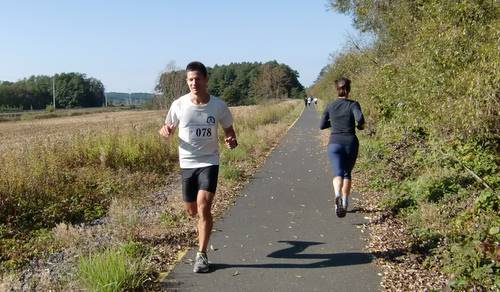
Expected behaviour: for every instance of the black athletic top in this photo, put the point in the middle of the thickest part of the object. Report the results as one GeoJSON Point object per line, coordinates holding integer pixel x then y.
{"type": "Point", "coordinates": [343, 115]}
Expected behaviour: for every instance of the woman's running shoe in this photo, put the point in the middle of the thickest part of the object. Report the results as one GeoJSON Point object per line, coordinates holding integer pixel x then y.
{"type": "Point", "coordinates": [339, 209]}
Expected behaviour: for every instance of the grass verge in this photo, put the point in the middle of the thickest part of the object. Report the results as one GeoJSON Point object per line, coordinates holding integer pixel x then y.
{"type": "Point", "coordinates": [51, 189]}
{"type": "Point", "coordinates": [115, 269]}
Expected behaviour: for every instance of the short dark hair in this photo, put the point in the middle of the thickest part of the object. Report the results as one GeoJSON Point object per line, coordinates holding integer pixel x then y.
{"type": "Point", "coordinates": [197, 66]}
{"type": "Point", "coordinates": [343, 86]}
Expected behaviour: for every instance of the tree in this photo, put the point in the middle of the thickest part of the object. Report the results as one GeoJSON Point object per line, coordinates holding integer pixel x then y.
{"type": "Point", "coordinates": [171, 85]}
{"type": "Point", "coordinates": [75, 90]}
{"type": "Point", "coordinates": [231, 95]}
{"type": "Point", "coordinates": [277, 81]}
{"type": "Point", "coordinates": [236, 83]}
{"type": "Point", "coordinates": [96, 90]}
{"type": "Point", "coordinates": [35, 92]}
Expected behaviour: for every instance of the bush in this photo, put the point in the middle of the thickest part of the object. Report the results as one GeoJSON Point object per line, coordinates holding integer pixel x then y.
{"type": "Point", "coordinates": [170, 219]}
{"type": "Point", "coordinates": [49, 108]}
{"type": "Point", "coordinates": [230, 173]}
{"type": "Point", "coordinates": [428, 85]}
{"type": "Point", "coordinates": [112, 270]}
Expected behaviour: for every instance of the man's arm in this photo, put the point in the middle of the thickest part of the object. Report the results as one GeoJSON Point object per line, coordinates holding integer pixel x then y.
{"type": "Point", "coordinates": [171, 121]}
{"type": "Point", "coordinates": [167, 130]}
{"type": "Point", "coordinates": [230, 137]}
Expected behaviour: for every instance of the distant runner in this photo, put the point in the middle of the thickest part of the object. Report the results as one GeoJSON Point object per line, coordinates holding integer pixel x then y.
{"type": "Point", "coordinates": [197, 114]}
{"type": "Point", "coordinates": [342, 115]}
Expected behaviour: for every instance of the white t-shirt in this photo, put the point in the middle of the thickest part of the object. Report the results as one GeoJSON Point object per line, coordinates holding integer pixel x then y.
{"type": "Point", "coordinates": [197, 126]}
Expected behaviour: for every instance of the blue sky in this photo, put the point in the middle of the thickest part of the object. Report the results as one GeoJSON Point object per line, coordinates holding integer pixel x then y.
{"type": "Point", "coordinates": [127, 44]}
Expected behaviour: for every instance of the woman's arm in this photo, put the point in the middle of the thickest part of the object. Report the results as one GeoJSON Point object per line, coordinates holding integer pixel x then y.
{"type": "Point", "coordinates": [325, 120]}
{"type": "Point", "coordinates": [358, 116]}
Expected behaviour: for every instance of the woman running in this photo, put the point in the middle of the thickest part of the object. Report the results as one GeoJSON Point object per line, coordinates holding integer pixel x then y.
{"type": "Point", "coordinates": [342, 115]}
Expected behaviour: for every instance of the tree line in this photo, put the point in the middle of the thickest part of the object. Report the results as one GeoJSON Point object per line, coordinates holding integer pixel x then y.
{"type": "Point", "coordinates": [237, 83]}
{"type": "Point", "coordinates": [71, 90]}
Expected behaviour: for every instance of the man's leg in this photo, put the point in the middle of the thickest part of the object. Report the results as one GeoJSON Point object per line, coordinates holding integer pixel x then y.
{"type": "Point", "coordinates": [205, 223]}
{"type": "Point", "coordinates": [189, 190]}
{"type": "Point", "coordinates": [207, 184]}
{"type": "Point", "coordinates": [205, 220]}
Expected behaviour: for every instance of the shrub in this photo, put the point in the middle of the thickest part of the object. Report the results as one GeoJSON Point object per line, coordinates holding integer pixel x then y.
{"type": "Point", "coordinates": [170, 219]}
{"type": "Point", "coordinates": [111, 270]}
{"type": "Point", "coordinates": [428, 84]}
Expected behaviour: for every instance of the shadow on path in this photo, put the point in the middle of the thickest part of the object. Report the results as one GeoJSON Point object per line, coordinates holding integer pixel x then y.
{"type": "Point", "coordinates": [363, 210]}
{"type": "Point", "coordinates": [294, 252]}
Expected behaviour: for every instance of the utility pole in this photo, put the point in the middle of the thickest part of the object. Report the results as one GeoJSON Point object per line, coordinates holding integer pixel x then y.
{"type": "Point", "coordinates": [54, 92]}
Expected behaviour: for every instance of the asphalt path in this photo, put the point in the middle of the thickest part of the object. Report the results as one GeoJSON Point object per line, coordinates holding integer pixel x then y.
{"type": "Point", "coordinates": [282, 234]}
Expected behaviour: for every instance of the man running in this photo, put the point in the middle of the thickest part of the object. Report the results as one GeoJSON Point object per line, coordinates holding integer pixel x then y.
{"type": "Point", "coordinates": [197, 114]}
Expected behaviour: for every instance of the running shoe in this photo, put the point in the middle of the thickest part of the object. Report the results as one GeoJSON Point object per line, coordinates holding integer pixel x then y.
{"type": "Point", "coordinates": [201, 263]}
{"type": "Point", "coordinates": [345, 203]}
{"type": "Point", "coordinates": [339, 209]}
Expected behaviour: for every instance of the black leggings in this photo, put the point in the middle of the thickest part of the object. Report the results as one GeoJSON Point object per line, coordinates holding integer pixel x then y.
{"type": "Point", "coordinates": [343, 157]}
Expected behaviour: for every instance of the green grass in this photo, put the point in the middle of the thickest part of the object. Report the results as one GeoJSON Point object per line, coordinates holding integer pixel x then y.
{"type": "Point", "coordinates": [111, 270]}
{"type": "Point", "coordinates": [170, 219]}
{"type": "Point", "coordinates": [230, 173]}
{"type": "Point", "coordinates": [440, 201]}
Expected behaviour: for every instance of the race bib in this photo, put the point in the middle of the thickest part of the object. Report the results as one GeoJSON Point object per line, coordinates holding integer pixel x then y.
{"type": "Point", "coordinates": [198, 133]}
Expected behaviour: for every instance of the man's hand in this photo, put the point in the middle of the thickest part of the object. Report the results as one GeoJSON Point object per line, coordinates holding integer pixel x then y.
{"type": "Point", "coordinates": [231, 142]}
{"type": "Point", "coordinates": [167, 130]}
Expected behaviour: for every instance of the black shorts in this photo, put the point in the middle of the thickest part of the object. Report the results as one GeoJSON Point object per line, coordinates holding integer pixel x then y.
{"type": "Point", "coordinates": [195, 179]}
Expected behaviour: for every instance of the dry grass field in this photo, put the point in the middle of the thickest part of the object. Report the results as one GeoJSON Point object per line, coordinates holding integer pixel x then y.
{"type": "Point", "coordinates": [14, 134]}
{"type": "Point", "coordinates": [19, 133]}
{"type": "Point", "coordinates": [57, 175]}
